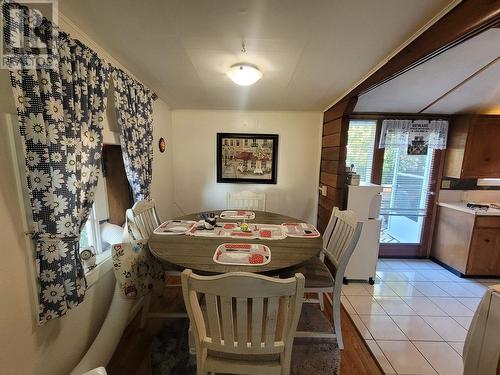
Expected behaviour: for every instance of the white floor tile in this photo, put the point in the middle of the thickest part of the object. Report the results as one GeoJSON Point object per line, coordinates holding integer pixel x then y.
{"type": "Point", "coordinates": [391, 276]}
{"type": "Point", "coordinates": [405, 358]}
{"type": "Point", "coordinates": [436, 275]}
{"type": "Point", "coordinates": [442, 357]}
{"type": "Point", "coordinates": [413, 275]}
{"type": "Point", "coordinates": [429, 289]}
{"type": "Point", "coordinates": [395, 306]}
{"type": "Point", "coordinates": [471, 303]}
{"type": "Point", "coordinates": [415, 328]}
{"type": "Point", "coordinates": [382, 327]}
{"type": "Point", "coordinates": [458, 346]}
{"type": "Point", "coordinates": [418, 264]}
{"type": "Point", "coordinates": [455, 289]}
{"type": "Point", "coordinates": [404, 289]}
{"type": "Point", "coordinates": [381, 289]}
{"type": "Point", "coordinates": [464, 321]}
{"type": "Point", "coordinates": [366, 305]}
{"type": "Point", "coordinates": [452, 306]}
{"type": "Point", "coordinates": [446, 327]}
{"type": "Point", "coordinates": [363, 331]}
{"type": "Point", "coordinates": [380, 357]}
{"type": "Point", "coordinates": [476, 290]}
{"type": "Point", "coordinates": [355, 289]}
{"type": "Point", "coordinates": [424, 306]}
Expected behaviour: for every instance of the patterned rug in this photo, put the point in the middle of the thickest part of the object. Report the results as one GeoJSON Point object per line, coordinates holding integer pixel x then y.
{"type": "Point", "coordinates": [170, 351]}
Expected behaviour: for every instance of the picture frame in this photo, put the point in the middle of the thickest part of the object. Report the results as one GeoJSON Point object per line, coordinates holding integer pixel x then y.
{"type": "Point", "coordinates": [247, 158]}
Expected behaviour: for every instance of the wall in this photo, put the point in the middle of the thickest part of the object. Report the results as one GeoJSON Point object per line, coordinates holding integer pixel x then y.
{"type": "Point", "coordinates": [333, 155]}
{"type": "Point", "coordinates": [194, 159]}
{"type": "Point", "coordinates": [55, 348]}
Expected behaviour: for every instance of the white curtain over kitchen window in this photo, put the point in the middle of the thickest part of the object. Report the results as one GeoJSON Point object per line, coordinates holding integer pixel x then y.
{"type": "Point", "coordinates": [403, 133]}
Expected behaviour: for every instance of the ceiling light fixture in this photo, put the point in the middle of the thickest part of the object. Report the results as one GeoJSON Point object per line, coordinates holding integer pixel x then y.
{"type": "Point", "coordinates": [244, 74]}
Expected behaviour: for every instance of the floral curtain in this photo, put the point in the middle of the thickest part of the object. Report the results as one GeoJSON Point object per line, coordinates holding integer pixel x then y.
{"type": "Point", "coordinates": [134, 111]}
{"type": "Point", "coordinates": [60, 119]}
{"type": "Point", "coordinates": [399, 133]}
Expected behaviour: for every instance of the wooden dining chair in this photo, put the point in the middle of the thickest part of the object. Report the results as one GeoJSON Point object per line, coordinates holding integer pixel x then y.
{"type": "Point", "coordinates": [345, 232]}
{"type": "Point", "coordinates": [246, 200]}
{"type": "Point", "coordinates": [246, 323]}
{"type": "Point", "coordinates": [143, 222]}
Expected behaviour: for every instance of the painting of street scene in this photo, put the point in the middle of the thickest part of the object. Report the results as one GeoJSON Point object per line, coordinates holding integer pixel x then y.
{"type": "Point", "coordinates": [246, 158]}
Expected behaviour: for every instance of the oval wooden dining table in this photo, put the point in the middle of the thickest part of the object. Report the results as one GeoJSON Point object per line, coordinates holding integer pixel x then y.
{"type": "Point", "coordinates": [196, 253]}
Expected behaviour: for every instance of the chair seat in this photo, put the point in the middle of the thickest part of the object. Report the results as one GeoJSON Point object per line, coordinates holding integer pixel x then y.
{"type": "Point", "coordinates": [316, 273]}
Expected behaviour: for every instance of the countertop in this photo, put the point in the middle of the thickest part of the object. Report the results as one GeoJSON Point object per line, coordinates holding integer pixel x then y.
{"type": "Point", "coordinates": [462, 206]}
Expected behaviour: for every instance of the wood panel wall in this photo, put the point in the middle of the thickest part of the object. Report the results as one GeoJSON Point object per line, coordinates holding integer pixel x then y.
{"type": "Point", "coordinates": [333, 154]}
{"type": "Point", "coordinates": [118, 190]}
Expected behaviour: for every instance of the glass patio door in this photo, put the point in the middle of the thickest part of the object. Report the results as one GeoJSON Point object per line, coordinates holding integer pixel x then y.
{"type": "Point", "coordinates": [407, 200]}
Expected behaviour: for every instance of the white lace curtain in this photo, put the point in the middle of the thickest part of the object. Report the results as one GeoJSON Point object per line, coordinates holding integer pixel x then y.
{"type": "Point", "coordinates": [398, 133]}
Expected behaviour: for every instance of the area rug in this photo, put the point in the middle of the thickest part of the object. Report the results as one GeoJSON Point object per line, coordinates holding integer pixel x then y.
{"type": "Point", "coordinates": [170, 351]}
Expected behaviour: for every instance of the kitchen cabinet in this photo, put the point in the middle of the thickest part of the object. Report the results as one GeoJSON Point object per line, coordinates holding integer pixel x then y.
{"type": "Point", "coordinates": [467, 242]}
{"type": "Point", "coordinates": [472, 150]}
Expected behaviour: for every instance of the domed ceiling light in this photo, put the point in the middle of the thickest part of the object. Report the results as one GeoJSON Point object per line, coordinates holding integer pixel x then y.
{"type": "Point", "coordinates": [244, 74]}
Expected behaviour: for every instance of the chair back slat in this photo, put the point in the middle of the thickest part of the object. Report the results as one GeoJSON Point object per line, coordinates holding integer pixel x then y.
{"type": "Point", "coordinates": [329, 228]}
{"type": "Point", "coordinates": [213, 317]}
{"type": "Point", "coordinates": [257, 316]}
{"type": "Point", "coordinates": [271, 320]}
{"type": "Point", "coordinates": [145, 218]}
{"type": "Point", "coordinates": [226, 306]}
{"type": "Point", "coordinates": [246, 200]}
{"type": "Point", "coordinates": [343, 241]}
{"type": "Point", "coordinates": [243, 322]}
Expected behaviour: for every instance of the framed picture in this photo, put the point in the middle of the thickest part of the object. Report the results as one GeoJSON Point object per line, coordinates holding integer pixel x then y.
{"type": "Point", "coordinates": [247, 158]}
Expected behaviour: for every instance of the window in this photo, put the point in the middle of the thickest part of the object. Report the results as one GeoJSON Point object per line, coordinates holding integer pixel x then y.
{"type": "Point", "coordinates": [360, 146]}
{"type": "Point", "coordinates": [90, 237]}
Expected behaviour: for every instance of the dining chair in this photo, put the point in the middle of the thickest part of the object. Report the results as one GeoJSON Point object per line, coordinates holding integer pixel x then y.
{"type": "Point", "coordinates": [246, 200]}
{"type": "Point", "coordinates": [340, 244]}
{"type": "Point", "coordinates": [245, 322]}
{"type": "Point", "coordinates": [481, 353]}
{"type": "Point", "coordinates": [143, 222]}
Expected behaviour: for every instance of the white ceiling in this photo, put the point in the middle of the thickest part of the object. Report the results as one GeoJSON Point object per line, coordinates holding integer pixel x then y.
{"type": "Point", "coordinates": [310, 52]}
{"type": "Point", "coordinates": [449, 80]}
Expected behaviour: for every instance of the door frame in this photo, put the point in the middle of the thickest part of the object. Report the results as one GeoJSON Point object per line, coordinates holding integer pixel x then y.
{"type": "Point", "coordinates": [407, 250]}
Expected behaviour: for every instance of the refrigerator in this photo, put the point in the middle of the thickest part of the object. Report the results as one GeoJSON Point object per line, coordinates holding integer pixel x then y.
{"type": "Point", "coordinates": [364, 200]}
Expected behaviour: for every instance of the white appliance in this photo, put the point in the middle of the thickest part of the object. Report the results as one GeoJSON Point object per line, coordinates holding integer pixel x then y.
{"type": "Point", "coordinates": [365, 201]}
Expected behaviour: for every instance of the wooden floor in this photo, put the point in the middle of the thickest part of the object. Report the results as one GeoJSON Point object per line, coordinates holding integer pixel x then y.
{"type": "Point", "coordinates": [132, 354]}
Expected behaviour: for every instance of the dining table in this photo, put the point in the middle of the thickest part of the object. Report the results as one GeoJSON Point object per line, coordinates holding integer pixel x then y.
{"type": "Point", "coordinates": [184, 251]}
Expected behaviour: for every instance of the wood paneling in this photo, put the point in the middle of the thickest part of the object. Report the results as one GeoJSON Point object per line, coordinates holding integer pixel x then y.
{"type": "Point", "coordinates": [329, 179]}
{"type": "Point", "coordinates": [117, 186]}
{"type": "Point", "coordinates": [332, 127]}
{"type": "Point", "coordinates": [329, 166]}
{"type": "Point", "coordinates": [330, 153]}
{"type": "Point", "coordinates": [331, 140]}
{"type": "Point", "coordinates": [326, 203]}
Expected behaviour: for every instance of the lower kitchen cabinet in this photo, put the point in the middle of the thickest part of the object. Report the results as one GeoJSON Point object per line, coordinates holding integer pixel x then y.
{"type": "Point", "coordinates": [467, 242]}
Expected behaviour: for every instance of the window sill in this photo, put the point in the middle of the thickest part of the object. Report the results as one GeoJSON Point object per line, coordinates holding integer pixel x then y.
{"type": "Point", "coordinates": [104, 265]}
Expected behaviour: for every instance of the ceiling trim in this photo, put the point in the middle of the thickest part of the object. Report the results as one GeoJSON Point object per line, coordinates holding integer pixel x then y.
{"type": "Point", "coordinates": [463, 21]}
{"type": "Point", "coordinates": [460, 84]}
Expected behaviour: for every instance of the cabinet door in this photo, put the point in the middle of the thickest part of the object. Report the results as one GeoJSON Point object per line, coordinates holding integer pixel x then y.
{"type": "Point", "coordinates": [482, 159]}
{"type": "Point", "coordinates": [484, 255]}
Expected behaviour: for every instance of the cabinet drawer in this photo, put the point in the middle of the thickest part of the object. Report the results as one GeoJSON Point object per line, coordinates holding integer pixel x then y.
{"type": "Point", "coordinates": [488, 222]}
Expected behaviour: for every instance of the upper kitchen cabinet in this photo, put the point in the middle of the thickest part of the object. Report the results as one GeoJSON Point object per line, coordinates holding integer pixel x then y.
{"type": "Point", "coordinates": [473, 147]}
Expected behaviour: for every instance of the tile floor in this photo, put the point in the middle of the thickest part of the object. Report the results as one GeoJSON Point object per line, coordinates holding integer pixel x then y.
{"type": "Point", "coordinates": [416, 316]}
